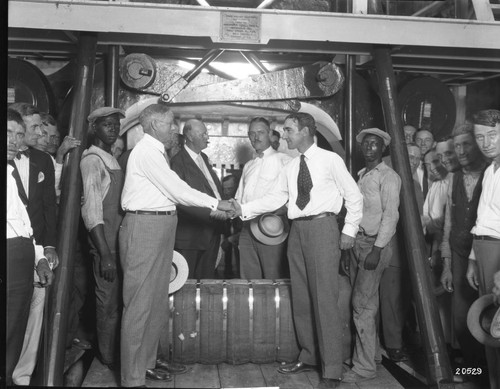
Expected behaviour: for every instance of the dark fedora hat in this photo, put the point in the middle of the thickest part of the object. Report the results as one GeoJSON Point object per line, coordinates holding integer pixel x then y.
{"type": "Point", "coordinates": [481, 320]}
{"type": "Point", "coordinates": [178, 273]}
{"type": "Point", "coordinates": [269, 229]}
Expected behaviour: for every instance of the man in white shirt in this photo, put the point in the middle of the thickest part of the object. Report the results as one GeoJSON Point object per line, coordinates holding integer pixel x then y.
{"type": "Point", "coordinates": [22, 254]}
{"type": "Point", "coordinates": [147, 235]}
{"type": "Point", "coordinates": [315, 184]}
{"type": "Point", "coordinates": [484, 259]}
{"type": "Point", "coordinates": [258, 260]}
{"type": "Point", "coordinates": [425, 141]}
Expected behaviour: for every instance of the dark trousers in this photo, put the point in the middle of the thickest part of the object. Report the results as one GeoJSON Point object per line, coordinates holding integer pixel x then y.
{"type": "Point", "coordinates": [462, 298]}
{"type": "Point", "coordinates": [314, 254]}
{"type": "Point", "coordinates": [108, 311]}
{"type": "Point", "coordinates": [202, 262]}
{"type": "Point", "coordinates": [258, 260]}
{"type": "Point", "coordinates": [20, 263]}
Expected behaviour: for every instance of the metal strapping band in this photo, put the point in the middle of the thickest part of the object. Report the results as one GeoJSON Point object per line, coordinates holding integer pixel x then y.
{"type": "Point", "coordinates": [198, 314]}
{"type": "Point", "coordinates": [224, 316]}
{"type": "Point", "coordinates": [171, 328]}
{"type": "Point", "coordinates": [277, 334]}
{"type": "Point", "coordinates": [250, 313]}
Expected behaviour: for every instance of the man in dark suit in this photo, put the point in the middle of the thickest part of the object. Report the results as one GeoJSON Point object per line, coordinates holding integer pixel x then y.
{"type": "Point", "coordinates": [199, 229]}
{"type": "Point", "coordinates": [35, 179]}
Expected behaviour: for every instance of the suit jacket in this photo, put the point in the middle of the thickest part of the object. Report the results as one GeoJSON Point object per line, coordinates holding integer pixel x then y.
{"type": "Point", "coordinates": [195, 228]}
{"type": "Point", "coordinates": [41, 199]}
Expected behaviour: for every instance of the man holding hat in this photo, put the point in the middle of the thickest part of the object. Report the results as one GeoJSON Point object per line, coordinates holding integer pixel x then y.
{"type": "Point", "coordinates": [102, 187]}
{"type": "Point", "coordinates": [262, 255]}
{"type": "Point", "coordinates": [380, 186]}
{"type": "Point", "coordinates": [315, 184]}
{"type": "Point", "coordinates": [484, 259]}
{"type": "Point", "coordinates": [460, 215]}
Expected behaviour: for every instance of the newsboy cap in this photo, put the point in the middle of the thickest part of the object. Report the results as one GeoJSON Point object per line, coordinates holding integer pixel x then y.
{"type": "Point", "coordinates": [103, 112]}
{"type": "Point", "coordinates": [375, 131]}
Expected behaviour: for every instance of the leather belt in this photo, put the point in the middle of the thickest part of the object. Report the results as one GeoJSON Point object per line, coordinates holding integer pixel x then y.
{"type": "Point", "coordinates": [171, 213]}
{"type": "Point", "coordinates": [314, 217]}
{"type": "Point", "coordinates": [485, 237]}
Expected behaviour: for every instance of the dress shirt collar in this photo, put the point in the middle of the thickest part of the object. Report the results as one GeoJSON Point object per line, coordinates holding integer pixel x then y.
{"type": "Point", "coordinates": [266, 153]}
{"type": "Point", "coordinates": [309, 153]}
{"type": "Point", "coordinates": [10, 169]}
{"type": "Point", "coordinates": [154, 142]}
{"type": "Point", "coordinates": [381, 166]}
{"type": "Point", "coordinates": [191, 153]}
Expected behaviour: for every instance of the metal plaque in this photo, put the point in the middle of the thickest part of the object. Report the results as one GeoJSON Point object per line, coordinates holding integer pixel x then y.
{"type": "Point", "coordinates": [240, 27]}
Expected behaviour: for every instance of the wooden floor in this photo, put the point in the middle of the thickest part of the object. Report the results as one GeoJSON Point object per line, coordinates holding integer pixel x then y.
{"type": "Point", "coordinates": [236, 376]}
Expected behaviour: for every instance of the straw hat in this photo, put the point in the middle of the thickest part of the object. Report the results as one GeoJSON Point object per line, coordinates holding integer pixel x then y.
{"type": "Point", "coordinates": [178, 274]}
{"type": "Point", "coordinates": [481, 320]}
{"type": "Point", "coordinates": [269, 229]}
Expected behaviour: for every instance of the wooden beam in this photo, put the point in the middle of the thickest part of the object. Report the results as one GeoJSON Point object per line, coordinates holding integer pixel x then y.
{"type": "Point", "coordinates": [163, 19]}
{"type": "Point", "coordinates": [483, 10]}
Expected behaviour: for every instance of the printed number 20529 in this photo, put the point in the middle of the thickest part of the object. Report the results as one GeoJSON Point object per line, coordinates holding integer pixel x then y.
{"type": "Point", "coordinates": [468, 371]}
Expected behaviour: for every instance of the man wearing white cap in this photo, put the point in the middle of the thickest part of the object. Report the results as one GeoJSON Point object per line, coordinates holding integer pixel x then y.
{"type": "Point", "coordinates": [380, 186]}
{"type": "Point", "coordinates": [102, 187]}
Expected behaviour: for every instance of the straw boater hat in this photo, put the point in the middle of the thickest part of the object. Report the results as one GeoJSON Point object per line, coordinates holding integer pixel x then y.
{"type": "Point", "coordinates": [269, 229]}
{"type": "Point", "coordinates": [374, 131]}
{"type": "Point", "coordinates": [178, 274]}
{"type": "Point", "coordinates": [483, 321]}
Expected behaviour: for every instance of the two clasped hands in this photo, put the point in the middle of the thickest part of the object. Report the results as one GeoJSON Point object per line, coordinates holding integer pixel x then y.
{"type": "Point", "coordinates": [226, 209]}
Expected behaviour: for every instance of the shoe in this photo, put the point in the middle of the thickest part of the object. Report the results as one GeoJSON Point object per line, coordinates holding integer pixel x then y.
{"type": "Point", "coordinates": [352, 377]}
{"type": "Point", "coordinates": [81, 344]}
{"type": "Point", "coordinates": [157, 375]}
{"type": "Point", "coordinates": [295, 368]}
{"type": "Point", "coordinates": [327, 383]}
{"type": "Point", "coordinates": [397, 355]}
{"type": "Point", "coordinates": [171, 367]}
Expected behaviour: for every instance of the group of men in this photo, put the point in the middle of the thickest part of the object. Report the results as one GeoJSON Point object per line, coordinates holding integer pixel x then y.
{"type": "Point", "coordinates": [459, 207]}
{"type": "Point", "coordinates": [160, 200]}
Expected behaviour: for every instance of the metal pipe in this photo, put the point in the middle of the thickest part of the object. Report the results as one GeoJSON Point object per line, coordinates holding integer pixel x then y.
{"type": "Point", "coordinates": [265, 3]}
{"type": "Point", "coordinates": [69, 212]}
{"type": "Point", "coordinates": [438, 369]}
{"type": "Point", "coordinates": [112, 76]}
{"type": "Point", "coordinates": [349, 116]}
{"type": "Point", "coordinates": [254, 60]}
{"type": "Point", "coordinates": [208, 58]}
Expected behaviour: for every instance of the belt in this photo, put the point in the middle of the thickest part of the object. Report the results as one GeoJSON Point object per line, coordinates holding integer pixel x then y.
{"type": "Point", "coordinates": [171, 213]}
{"type": "Point", "coordinates": [314, 217]}
{"type": "Point", "coordinates": [485, 237]}
{"type": "Point", "coordinates": [363, 233]}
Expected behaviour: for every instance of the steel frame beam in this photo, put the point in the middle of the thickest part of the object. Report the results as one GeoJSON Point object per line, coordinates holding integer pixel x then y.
{"type": "Point", "coordinates": [163, 19]}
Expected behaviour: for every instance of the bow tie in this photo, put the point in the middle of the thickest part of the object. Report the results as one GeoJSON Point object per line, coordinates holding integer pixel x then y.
{"type": "Point", "coordinates": [23, 152]}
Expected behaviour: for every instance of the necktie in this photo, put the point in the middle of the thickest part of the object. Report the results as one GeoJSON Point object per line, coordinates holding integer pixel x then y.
{"type": "Point", "coordinates": [208, 176]}
{"type": "Point", "coordinates": [23, 152]}
{"type": "Point", "coordinates": [425, 183]}
{"type": "Point", "coordinates": [304, 184]}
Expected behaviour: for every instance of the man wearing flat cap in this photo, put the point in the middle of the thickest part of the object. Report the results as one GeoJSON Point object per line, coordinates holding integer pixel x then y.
{"type": "Point", "coordinates": [380, 186]}
{"type": "Point", "coordinates": [102, 187]}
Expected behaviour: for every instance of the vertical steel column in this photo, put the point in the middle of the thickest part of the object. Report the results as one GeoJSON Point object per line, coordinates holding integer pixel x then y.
{"type": "Point", "coordinates": [349, 113]}
{"type": "Point", "coordinates": [69, 213]}
{"type": "Point", "coordinates": [112, 76]}
{"type": "Point", "coordinates": [438, 365]}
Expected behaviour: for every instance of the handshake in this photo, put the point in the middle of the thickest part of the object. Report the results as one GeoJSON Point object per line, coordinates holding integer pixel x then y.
{"type": "Point", "coordinates": [226, 209]}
